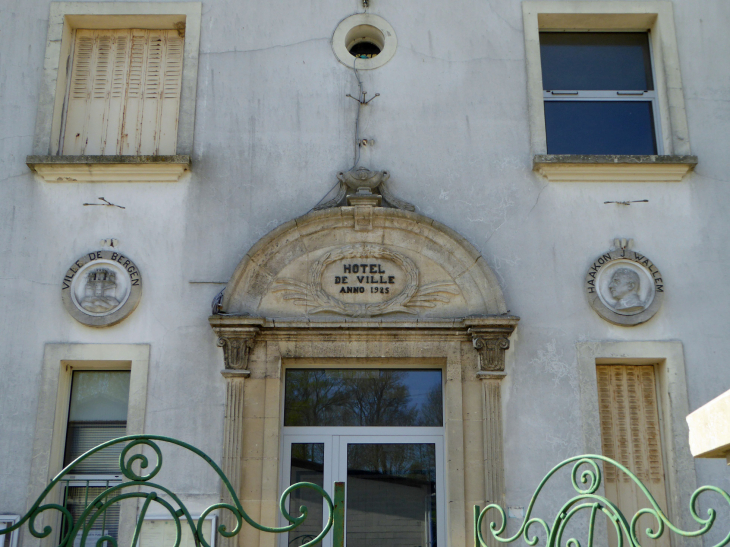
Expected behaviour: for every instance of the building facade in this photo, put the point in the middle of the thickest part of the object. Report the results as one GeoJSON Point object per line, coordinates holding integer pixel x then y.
{"type": "Point", "coordinates": [429, 250]}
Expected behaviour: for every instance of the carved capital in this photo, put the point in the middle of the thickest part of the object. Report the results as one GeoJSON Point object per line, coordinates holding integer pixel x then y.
{"type": "Point", "coordinates": [237, 338]}
{"type": "Point", "coordinates": [490, 337]}
{"type": "Point", "coordinates": [236, 351]}
{"type": "Point", "coordinates": [491, 352]}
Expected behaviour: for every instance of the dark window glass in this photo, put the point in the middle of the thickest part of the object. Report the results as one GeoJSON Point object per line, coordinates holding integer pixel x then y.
{"type": "Point", "coordinates": [391, 495]}
{"type": "Point", "coordinates": [307, 465]}
{"type": "Point", "coordinates": [600, 127]}
{"type": "Point", "coordinates": [97, 413]}
{"type": "Point", "coordinates": [595, 61]}
{"type": "Point", "coordinates": [354, 397]}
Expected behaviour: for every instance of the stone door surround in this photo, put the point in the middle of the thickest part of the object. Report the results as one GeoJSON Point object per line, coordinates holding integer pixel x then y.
{"type": "Point", "coordinates": [398, 290]}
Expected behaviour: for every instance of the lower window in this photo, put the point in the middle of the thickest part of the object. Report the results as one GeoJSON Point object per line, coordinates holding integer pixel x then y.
{"type": "Point", "coordinates": [97, 413]}
{"type": "Point", "coordinates": [393, 474]}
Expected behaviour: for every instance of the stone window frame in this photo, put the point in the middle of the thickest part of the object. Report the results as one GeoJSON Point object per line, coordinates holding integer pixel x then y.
{"type": "Point", "coordinates": [54, 397]}
{"type": "Point", "coordinates": [667, 357]}
{"type": "Point", "coordinates": [64, 18]}
{"type": "Point", "coordinates": [656, 16]}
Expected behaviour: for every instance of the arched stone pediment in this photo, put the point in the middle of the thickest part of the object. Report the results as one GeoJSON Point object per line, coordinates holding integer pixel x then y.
{"type": "Point", "coordinates": [363, 261]}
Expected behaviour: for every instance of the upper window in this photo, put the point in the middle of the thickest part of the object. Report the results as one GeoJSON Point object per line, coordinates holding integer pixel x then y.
{"type": "Point", "coordinates": [124, 92]}
{"type": "Point", "coordinates": [605, 92]}
{"type": "Point", "coordinates": [120, 79]}
{"type": "Point", "coordinates": [117, 102]}
{"type": "Point", "coordinates": [598, 92]}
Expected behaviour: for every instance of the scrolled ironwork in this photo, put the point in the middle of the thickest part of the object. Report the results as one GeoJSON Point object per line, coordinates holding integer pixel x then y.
{"type": "Point", "coordinates": [171, 502]}
{"type": "Point", "coordinates": [586, 479]}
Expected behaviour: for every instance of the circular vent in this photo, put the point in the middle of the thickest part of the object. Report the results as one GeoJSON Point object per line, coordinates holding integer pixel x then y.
{"type": "Point", "coordinates": [364, 41]}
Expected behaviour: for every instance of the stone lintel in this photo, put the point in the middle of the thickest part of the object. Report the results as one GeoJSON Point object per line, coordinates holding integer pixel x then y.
{"type": "Point", "coordinates": [109, 168]}
{"type": "Point", "coordinates": [236, 338]}
{"type": "Point", "coordinates": [244, 327]}
{"type": "Point", "coordinates": [613, 168]}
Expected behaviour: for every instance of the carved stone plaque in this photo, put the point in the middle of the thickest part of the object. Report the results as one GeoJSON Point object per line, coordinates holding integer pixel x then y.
{"type": "Point", "coordinates": [101, 288]}
{"type": "Point", "coordinates": [363, 280]}
{"type": "Point", "coordinates": [624, 287]}
{"type": "Point", "coordinates": [366, 281]}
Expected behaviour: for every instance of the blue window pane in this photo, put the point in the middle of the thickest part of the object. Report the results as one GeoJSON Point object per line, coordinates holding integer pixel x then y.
{"type": "Point", "coordinates": [596, 61]}
{"type": "Point", "coordinates": [600, 127]}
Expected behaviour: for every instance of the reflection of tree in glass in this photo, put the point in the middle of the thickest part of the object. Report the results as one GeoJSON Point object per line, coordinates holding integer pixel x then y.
{"type": "Point", "coordinates": [432, 412]}
{"type": "Point", "coordinates": [407, 461]}
{"type": "Point", "coordinates": [381, 397]}
{"type": "Point", "coordinates": [308, 452]}
{"type": "Point", "coordinates": [381, 400]}
{"type": "Point", "coordinates": [312, 397]}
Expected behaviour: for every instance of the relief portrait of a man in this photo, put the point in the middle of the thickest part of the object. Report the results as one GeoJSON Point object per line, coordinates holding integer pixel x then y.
{"type": "Point", "coordinates": [624, 288]}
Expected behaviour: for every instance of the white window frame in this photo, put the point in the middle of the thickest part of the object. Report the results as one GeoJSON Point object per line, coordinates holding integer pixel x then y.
{"type": "Point", "coordinates": [571, 95]}
{"type": "Point", "coordinates": [654, 16]}
{"type": "Point", "coordinates": [6, 521]}
{"type": "Point", "coordinates": [336, 439]}
{"type": "Point", "coordinates": [65, 17]}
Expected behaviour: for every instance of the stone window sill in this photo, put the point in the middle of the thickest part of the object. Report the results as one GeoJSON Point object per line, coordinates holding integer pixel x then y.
{"type": "Point", "coordinates": [590, 168]}
{"type": "Point", "coordinates": [109, 168]}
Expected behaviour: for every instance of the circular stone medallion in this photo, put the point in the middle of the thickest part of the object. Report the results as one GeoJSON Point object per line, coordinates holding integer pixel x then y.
{"type": "Point", "coordinates": [101, 288]}
{"type": "Point", "coordinates": [624, 287]}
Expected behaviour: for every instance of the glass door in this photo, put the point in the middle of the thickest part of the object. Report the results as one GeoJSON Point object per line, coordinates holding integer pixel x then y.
{"type": "Point", "coordinates": [307, 458]}
{"type": "Point", "coordinates": [380, 431]}
{"type": "Point", "coordinates": [393, 490]}
{"type": "Point", "coordinates": [394, 487]}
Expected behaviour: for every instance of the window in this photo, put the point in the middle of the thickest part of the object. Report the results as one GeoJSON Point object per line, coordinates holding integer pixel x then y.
{"type": "Point", "coordinates": [631, 435]}
{"type": "Point", "coordinates": [627, 393]}
{"type": "Point", "coordinates": [598, 92]}
{"type": "Point", "coordinates": [118, 97]}
{"type": "Point", "coordinates": [124, 92]}
{"type": "Point", "coordinates": [381, 432]}
{"type": "Point", "coordinates": [61, 432]}
{"type": "Point", "coordinates": [605, 92]}
{"type": "Point", "coordinates": [6, 521]}
{"type": "Point", "coordinates": [97, 413]}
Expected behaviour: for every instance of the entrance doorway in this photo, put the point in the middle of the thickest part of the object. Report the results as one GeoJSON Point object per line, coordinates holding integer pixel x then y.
{"type": "Point", "coordinates": [381, 434]}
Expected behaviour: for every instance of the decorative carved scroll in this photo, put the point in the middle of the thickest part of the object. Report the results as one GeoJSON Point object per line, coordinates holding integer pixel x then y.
{"type": "Point", "coordinates": [491, 352]}
{"type": "Point", "coordinates": [237, 343]}
{"type": "Point", "coordinates": [491, 342]}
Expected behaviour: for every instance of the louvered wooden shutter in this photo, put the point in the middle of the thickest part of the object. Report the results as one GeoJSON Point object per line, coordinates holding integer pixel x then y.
{"type": "Point", "coordinates": [124, 96]}
{"type": "Point", "coordinates": [630, 434]}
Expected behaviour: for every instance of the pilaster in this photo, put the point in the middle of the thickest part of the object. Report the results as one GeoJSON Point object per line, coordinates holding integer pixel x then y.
{"type": "Point", "coordinates": [232, 459]}
{"type": "Point", "coordinates": [494, 487]}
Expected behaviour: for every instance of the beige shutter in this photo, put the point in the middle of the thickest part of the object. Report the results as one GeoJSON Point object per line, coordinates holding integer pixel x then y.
{"type": "Point", "coordinates": [630, 435]}
{"type": "Point", "coordinates": [124, 96]}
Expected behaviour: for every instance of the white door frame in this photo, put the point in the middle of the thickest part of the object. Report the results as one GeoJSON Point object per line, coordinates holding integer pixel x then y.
{"type": "Point", "coordinates": [336, 439]}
